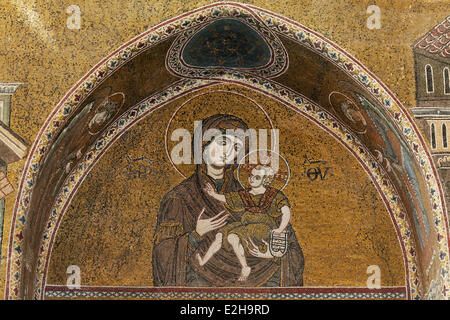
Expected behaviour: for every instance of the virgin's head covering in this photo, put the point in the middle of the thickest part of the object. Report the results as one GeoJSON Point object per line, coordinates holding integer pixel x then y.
{"type": "Point", "coordinates": [223, 123]}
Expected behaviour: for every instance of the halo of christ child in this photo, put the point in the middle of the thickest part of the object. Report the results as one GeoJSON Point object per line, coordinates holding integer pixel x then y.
{"type": "Point", "coordinates": [264, 211]}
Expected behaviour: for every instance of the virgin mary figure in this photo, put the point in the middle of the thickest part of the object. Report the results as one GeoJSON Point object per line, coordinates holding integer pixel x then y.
{"type": "Point", "coordinates": [188, 220]}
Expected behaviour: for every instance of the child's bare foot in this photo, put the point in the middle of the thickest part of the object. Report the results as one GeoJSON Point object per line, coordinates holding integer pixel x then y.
{"type": "Point", "coordinates": [200, 260]}
{"type": "Point", "coordinates": [244, 273]}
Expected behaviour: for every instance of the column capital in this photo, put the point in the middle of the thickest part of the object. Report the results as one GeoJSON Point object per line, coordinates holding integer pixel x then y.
{"type": "Point", "coordinates": [9, 88]}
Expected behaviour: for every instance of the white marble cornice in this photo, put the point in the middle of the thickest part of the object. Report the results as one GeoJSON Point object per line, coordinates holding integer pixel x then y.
{"type": "Point", "coordinates": [9, 88]}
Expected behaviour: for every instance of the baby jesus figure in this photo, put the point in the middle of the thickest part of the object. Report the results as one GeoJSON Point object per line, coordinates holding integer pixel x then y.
{"type": "Point", "coordinates": [264, 209]}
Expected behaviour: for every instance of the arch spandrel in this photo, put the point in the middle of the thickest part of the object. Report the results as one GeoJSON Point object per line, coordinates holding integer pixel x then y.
{"type": "Point", "coordinates": [400, 167]}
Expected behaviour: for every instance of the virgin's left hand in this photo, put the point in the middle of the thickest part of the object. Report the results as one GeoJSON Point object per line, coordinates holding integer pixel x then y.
{"type": "Point", "coordinates": [278, 231]}
{"type": "Point", "coordinates": [255, 250]}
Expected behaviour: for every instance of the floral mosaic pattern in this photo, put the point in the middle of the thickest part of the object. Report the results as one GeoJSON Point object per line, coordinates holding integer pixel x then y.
{"type": "Point", "coordinates": [152, 293]}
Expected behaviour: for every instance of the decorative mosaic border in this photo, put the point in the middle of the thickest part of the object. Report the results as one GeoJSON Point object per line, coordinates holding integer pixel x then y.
{"type": "Point", "coordinates": [279, 57]}
{"type": "Point", "coordinates": [302, 34]}
{"type": "Point", "coordinates": [156, 293]}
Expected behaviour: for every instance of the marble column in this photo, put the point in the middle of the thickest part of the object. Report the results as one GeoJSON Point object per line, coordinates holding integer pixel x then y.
{"type": "Point", "coordinates": [6, 92]}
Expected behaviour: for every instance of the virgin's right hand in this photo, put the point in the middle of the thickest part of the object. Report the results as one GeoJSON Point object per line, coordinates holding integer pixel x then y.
{"type": "Point", "coordinates": [209, 190]}
{"type": "Point", "coordinates": [210, 224]}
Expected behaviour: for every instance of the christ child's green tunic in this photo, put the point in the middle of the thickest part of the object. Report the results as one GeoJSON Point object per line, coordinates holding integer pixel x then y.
{"type": "Point", "coordinates": [260, 214]}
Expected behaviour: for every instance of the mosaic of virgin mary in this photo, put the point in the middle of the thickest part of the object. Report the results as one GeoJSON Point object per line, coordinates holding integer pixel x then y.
{"type": "Point", "coordinates": [189, 219]}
